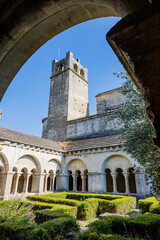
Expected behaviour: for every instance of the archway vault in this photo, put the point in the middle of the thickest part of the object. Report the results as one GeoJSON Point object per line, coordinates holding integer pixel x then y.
{"type": "Point", "coordinates": [25, 25]}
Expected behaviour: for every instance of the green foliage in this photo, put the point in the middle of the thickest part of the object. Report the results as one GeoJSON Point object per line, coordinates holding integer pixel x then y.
{"type": "Point", "coordinates": [155, 208]}
{"type": "Point", "coordinates": [15, 230]}
{"type": "Point", "coordinates": [83, 196]}
{"type": "Point", "coordinates": [56, 229]}
{"type": "Point", "coordinates": [95, 236]}
{"type": "Point", "coordinates": [144, 204]}
{"type": "Point", "coordinates": [47, 214]}
{"type": "Point", "coordinates": [38, 205]}
{"type": "Point", "coordinates": [142, 226]}
{"type": "Point", "coordinates": [50, 199]}
{"type": "Point", "coordinates": [16, 211]}
{"type": "Point", "coordinates": [137, 132]}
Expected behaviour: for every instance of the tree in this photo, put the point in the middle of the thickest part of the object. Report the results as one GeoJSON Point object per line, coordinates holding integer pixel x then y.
{"type": "Point", "coordinates": [137, 132]}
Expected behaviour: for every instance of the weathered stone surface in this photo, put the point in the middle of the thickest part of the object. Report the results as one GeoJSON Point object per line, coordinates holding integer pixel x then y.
{"type": "Point", "coordinates": [107, 214]}
{"type": "Point", "coordinates": [136, 41]}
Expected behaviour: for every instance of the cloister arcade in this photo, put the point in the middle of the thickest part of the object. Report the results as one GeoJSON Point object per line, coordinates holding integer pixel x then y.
{"type": "Point", "coordinates": [28, 176]}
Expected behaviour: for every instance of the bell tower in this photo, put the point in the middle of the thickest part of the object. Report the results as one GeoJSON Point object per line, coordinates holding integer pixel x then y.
{"type": "Point", "coordinates": [68, 97]}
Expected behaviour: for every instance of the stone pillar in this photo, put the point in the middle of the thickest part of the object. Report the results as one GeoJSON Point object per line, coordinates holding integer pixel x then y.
{"type": "Point", "coordinates": [83, 182]}
{"type": "Point", "coordinates": [65, 182]}
{"type": "Point", "coordinates": [95, 182]}
{"type": "Point", "coordinates": [17, 180]}
{"type": "Point", "coordinates": [74, 182]}
{"type": "Point", "coordinates": [59, 182]}
{"type": "Point", "coordinates": [114, 176]}
{"type": "Point", "coordinates": [8, 183]}
{"type": "Point", "coordinates": [140, 183]}
{"type": "Point", "coordinates": [126, 175]}
{"type": "Point", "coordinates": [47, 175]}
{"type": "Point", "coordinates": [41, 182]}
{"type": "Point", "coordinates": [27, 181]}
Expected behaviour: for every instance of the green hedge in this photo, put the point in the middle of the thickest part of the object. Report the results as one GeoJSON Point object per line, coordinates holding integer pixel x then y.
{"type": "Point", "coordinates": [15, 231]}
{"type": "Point", "coordinates": [144, 204]}
{"type": "Point", "coordinates": [95, 236]}
{"type": "Point", "coordinates": [155, 208]}
{"type": "Point", "coordinates": [49, 199]}
{"type": "Point", "coordinates": [92, 207]}
{"type": "Point", "coordinates": [143, 226]}
{"type": "Point", "coordinates": [56, 229]}
{"type": "Point", "coordinates": [62, 209]}
{"type": "Point", "coordinates": [46, 215]}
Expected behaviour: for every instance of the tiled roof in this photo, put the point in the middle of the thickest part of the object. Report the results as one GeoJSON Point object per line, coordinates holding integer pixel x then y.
{"type": "Point", "coordinates": [14, 136]}
{"type": "Point", "coordinates": [107, 141]}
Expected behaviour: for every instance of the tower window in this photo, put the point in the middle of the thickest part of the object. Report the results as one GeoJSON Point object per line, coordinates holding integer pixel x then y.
{"type": "Point", "coordinates": [75, 68]}
{"type": "Point", "coordinates": [82, 73]}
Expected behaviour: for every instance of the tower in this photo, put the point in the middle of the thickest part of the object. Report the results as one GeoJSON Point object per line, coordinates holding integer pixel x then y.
{"type": "Point", "coordinates": [68, 97]}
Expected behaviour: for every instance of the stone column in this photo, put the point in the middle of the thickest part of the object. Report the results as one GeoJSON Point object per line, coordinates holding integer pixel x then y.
{"type": "Point", "coordinates": [59, 182]}
{"type": "Point", "coordinates": [65, 182]}
{"type": "Point", "coordinates": [83, 182]}
{"type": "Point", "coordinates": [140, 183]}
{"type": "Point", "coordinates": [41, 182]}
{"type": "Point", "coordinates": [74, 182]}
{"type": "Point", "coordinates": [27, 181]}
{"type": "Point", "coordinates": [17, 180]}
{"type": "Point", "coordinates": [47, 175]}
{"type": "Point", "coordinates": [8, 183]}
{"type": "Point", "coordinates": [114, 176]}
{"type": "Point", "coordinates": [126, 175]}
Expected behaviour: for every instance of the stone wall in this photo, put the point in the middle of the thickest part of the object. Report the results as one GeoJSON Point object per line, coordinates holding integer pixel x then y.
{"type": "Point", "coordinates": [93, 126]}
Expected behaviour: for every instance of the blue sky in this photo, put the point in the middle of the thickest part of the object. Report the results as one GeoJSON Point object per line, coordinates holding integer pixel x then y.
{"type": "Point", "coordinates": [25, 102]}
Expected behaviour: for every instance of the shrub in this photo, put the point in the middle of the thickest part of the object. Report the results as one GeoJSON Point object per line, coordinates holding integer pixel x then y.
{"type": "Point", "coordinates": [49, 199]}
{"type": "Point", "coordinates": [155, 208]}
{"type": "Point", "coordinates": [47, 214]}
{"type": "Point", "coordinates": [15, 231]}
{"type": "Point", "coordinates": [84, 196]}
{"type": "Point", "coordinates": [38, 205]}
{"type": "Point", "coordinates": [95, 236]}
{"type": "Point", "coordinates": [144, 225]}
{"type": "Point", "coordinates": [15, 211]}
{"type": "Point", "coordinates": [144, 204]}
{"type": "Point", "coordinates": [55, 229]}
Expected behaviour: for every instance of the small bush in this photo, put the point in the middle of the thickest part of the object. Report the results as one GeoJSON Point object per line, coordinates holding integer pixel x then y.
{"type": "Point", "coordinates": [95, 236]}
{"type": "Point", "coordinates": [49, 199]}
{"type": "Point", "coordinates": [15, 231]}
{"type": "Point", "coordinates": [46, 215]}
{"type": "Point", "coordinates": [84, 196]}
{"type": "Point", "coordinates": [144, 204]}
{"type": "Point", "coordinates": [56, 229]}
{"type": "Point", "coordinates": [15, 211]}
{"type": "Point", "coordinates": [143, 226]}
{"type": "Point", "coordinates": [155, 208]}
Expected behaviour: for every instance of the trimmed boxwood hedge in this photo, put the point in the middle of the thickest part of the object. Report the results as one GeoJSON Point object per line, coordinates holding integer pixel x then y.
{"type": "Point", "coordinates": [47, 214]}
{"type": "Point", "coordinates": [15, 231]}
{"type": "Point", "coordinates": [147, 224]}
{"type": "Point", "coordinates": [95, 236]}
{"type": "Point", "coordinates": [48, 199]}
{"type": "Point", "coordinates": [91, 206]}
{"type": "Point", "coordinates": [56, 229]}
{"type": "Point", "coordinates": [145, 205]}
{"type": "Point", "coordinates": [155, 208]}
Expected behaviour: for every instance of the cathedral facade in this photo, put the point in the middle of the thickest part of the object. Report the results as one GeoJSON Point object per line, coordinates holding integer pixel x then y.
{"type": "Point", "coordinates": [77, 152]}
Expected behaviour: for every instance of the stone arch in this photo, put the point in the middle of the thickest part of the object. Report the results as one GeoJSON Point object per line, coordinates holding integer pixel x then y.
{"type": "Point", "coordinates": [50, 19]}
{"type": "Point", "coordinates": [76, 164]}
{"type": "Point", "coordinates": [54, 165]}
{"type": "Point", "coordinates": [4, 162]}
{"type": "Point", "coordinates": [116, 161]}
{"type": "Point", "coordinates": [4, 167]}
{"type": "Point", "coordinates": [28, 161]}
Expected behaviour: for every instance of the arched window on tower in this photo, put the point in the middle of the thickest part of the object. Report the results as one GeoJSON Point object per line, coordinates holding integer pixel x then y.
{"type": "Point", "coordinates": [82, 73]}
{"type": "Point", "coordinates": [75, 68]}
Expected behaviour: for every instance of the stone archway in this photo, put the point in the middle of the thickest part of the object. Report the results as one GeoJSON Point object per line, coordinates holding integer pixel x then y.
{"type": "Point", "coordinates": [120, 180]}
